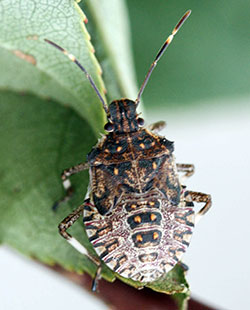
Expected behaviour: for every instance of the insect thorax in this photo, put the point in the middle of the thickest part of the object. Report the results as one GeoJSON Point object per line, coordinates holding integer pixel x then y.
{"type": "Point", "coordinates": [133, 162]}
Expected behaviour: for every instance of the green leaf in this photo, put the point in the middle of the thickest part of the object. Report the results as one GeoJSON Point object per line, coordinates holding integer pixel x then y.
{"type": "Point", "coordinates": [24, 26]}
{"type": "Point", "coordinates": [38, 140]}
{"type": "Point", "coordinates": [111, 37]}
{"type": "Point", "coordinates": [182, 300]}
{"type": "Point", "coordinates": [173, 282]}
{"type": "Point", "coordinates": [50, 118]}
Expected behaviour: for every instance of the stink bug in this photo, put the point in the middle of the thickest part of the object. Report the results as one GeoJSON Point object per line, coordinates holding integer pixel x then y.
{"type": "Point", "coordinates": [137, 214]}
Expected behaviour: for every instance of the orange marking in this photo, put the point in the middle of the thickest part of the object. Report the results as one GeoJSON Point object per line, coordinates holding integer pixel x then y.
{"type": "Point", "coordinates": [152, 217]}
{"type": "Point", "coordinates": [154, 165]}
{"type": "Point", "coordinates": [168, 41]}
{"type": "Point", "coordinates": [142, 145]}
{"type": "Point", "coordinates": [152, 203]}
{"type": "Point", "coordinates": [29, 58]}
{"type": "Point", "coordinates": [133, 206]}
{"type": "Point", "coordinates": [119, 148]}
{"type": "Point", "coordinates": [137, 219]}
{"type": "Point", "coordinates": [116, 171]}
{"type": "Point", "coordinates": [155, 235]}
{"type": "Point", "coordinates": [139, 238]}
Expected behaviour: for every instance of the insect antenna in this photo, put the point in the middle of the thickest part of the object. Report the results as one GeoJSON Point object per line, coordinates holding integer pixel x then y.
{"type": "Point", "coordinates": [73, 58]}
{"type": "Point", "coordinates": [160, 53]}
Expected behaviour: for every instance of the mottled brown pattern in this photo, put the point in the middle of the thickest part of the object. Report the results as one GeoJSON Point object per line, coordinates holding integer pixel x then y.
{"type": "Point", "coordinates": [152, 259]}
{"type": "Point", "coordinates": [137, 200]}
{"type": "Point", "coordinates": [132, 162]}
{"type": "Point", "coordinates": [137, 215]}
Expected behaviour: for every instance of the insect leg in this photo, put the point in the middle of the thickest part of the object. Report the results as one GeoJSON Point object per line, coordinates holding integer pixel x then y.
{"type": "Point", "coordinates": [187, 168]}
{"type": "Point", "coordinates": [67, 223]}
{"type": "Point", "coordinates": [67, 184]}
{"type": "Point", "coordinates": [201, 197]}
{"type": "Point", "coordinates": [158, 126]}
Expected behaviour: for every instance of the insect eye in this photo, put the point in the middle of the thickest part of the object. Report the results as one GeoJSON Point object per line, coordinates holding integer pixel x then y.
{"type": "Point", "coordinates": [140, 121]}
{"type": "Point", "coordinates": [109, 127]}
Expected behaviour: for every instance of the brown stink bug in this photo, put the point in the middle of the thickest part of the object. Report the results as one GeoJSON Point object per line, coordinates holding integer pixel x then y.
{"type": "Point", "coordinates": [137, 214]}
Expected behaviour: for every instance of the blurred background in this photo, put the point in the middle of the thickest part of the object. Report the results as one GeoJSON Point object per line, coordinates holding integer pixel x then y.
{"type": "Point", "coordinates": [201, 89]}
{"type": "Point", "coordinates": [208, 60]}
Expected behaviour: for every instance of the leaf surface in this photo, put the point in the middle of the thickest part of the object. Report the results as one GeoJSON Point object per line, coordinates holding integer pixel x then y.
{"type": "Point", "coordinates": [47, 72]}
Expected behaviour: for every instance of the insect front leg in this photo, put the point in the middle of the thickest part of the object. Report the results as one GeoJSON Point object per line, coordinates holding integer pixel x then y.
{"type": "Point", "coordinates": [188, 170]}
{"type": "Point", "coordinates": [158, 126]}
{"type": "Point", "coordinates": [67, 184]}
{"type": "Point", "coordinates": [67, 223]}
{"type": "Point", "coordinates": [201, 197]}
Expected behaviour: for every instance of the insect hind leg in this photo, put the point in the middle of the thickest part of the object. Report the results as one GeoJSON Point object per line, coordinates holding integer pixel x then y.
{"type": "Point", "coordinates": [66, 224]}
{"type": "Point", "coordinates": [158, 126]}
{"type": "Point", "coordinates": [201, 197]}
{"type": "Point", "coordinates": [96, 278]}
{"type": "Point", "coordinates": [67, 184]}
{"type": "Point", "coordinates": [188, 170]}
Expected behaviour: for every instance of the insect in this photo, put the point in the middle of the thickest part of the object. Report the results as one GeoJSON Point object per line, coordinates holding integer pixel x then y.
{"type": "Point", "coordinates": [137, 213]}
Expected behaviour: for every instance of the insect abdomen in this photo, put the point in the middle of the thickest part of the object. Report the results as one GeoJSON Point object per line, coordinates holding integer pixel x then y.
{"type": "Point", "coordinates": [145, 236]}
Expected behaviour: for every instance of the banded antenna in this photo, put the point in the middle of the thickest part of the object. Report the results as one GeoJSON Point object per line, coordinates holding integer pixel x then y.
{"type": "Point", "coordinates": [73, 58]}
{"type": "Point", "coordinates": [160, 53]}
